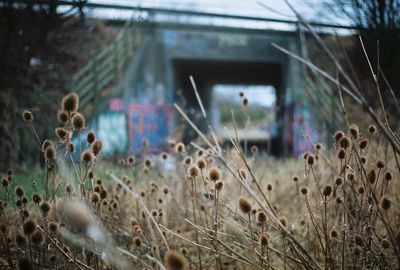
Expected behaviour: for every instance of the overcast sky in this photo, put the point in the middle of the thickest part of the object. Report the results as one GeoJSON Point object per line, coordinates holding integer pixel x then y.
{"type": "Point", "coordinates": [257, 8]}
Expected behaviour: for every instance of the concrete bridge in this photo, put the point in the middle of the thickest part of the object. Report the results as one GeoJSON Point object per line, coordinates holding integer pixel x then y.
{"type": "Point", "coordinates": [169, 52]}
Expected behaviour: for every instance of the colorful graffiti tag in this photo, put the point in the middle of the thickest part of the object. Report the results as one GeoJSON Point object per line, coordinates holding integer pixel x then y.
{"type": "Point", "coordinates": [112, 128]}
{"type": "Point", "coordinates": [150, 122]}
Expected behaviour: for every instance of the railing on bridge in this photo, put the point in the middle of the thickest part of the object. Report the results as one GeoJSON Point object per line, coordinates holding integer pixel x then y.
{"type": "Point", "coordinates": [105, 67]}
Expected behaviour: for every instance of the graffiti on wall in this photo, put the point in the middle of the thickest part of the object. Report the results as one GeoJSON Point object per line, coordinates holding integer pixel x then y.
{"type": "Point", "coordinates": [112, 129]}
{"type": "Point", "coordinates": [150, 122]}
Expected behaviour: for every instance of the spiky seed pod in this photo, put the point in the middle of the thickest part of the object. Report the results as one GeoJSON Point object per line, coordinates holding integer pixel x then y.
{"type": "Point", "coordinates": [130, 160]}
{"type": "Point", "coordinates": [310, 159]}
{"type": "Point", "coordinates": [344, 142]}
{"type": "Point", "coordinates": [165, 190]}
{"type": "Point", "coordinates": [339, 200]}
{"type": "Point", "coordinates": [193, 171]}
{"type": "Point", "coordinates": [24, 263]}
{"type": "Point", "coordinates": [19, 191]}
{"type": "Point", "coordinates": [137, 241]}
{"type": "Point", "coordinates": [318, 146]}
{"type": "Point", "coordinates": [20, 240]}
{"type": "Point", "coordinates": [269, 186]}
{"type": "Point", "coordinates": [175, 260]}
{"type": "Point", "coordinates": [361, 190]}
{"type": "Point", "coordinates": [37, 238]}
{"type": "Point", "coordinates": [45, 207]}
{"type": "Point", "coordinates": [363, 143]}
{"type": "Point", "coordinates": [354, 131]}
{"type": "Point", "coordinates": [385, 243]}
{"type": "Point", "coordinates": [62, 117]}
{"type": "Point", "coordinates": [97, 188]}
{"type": "Point", "coordinates": [261, 217]}
{"type": "Point", "coordinates": [372, 176]}
{"type": "Point", "coordinates": [350, 176]}
{"type": "Point", "coordinates": [61, 133]}
{"type": "Point", "coordinates": [122, 162]}
{"type": "Point", "coordinates": [70, 147]}
{"type": "Point", "coordinates": [254, 149]}
{"type": "Point", "coordinates": [241, 94]}
{"type": "Point", "coordinates": [380, 164]}
{"type": "Point", "coordinates": [4, 182]}
{"type": "Point", "coordinates": [264, 239]}
{"type": "Point", "coordinates": [29, 227]}
{"type": "Point", "coordinates": [70, 102]}
{"type": "Point", "coordinates": [356, 250]}
{"type": "Point", "coordinates": [372, 129]}
{"type": "Point", "coordinates": [90, 174]}
{"type": "Point", "coordinates": [180, 147]}
{"type": "Point", "coordinates": [154, 212]}
{"type": "Point", "coordinates": [245, 205]}
{"type": "Point", "coordinates": [363, 160]}
{"type": "Point", "coordinates": [97, 146]}
{"type": "Point", "coordinates": [388, 176]}
{"type": "Point", "coordinates": [160, 200]}
{"type": "Point", "coordinates": [147, 162]}
{"type": "Point", "coordinates": [304, 190]}
{"type": "Point", "coordinates": [358, 240]}
{"type": "Point", "coordinates": [385, 203]}
{"type": "Point", "coordinates": [46, 144]}
{"type": "Point", "coordinates": [53, 227]}
{"type": "Point", "coordinates": [219, 185]}
{"type": "Point", "coordinates": [36, 198]}
{"type": "Point", "coordinates": [337, 135]}
{"type": "Point", "coordinates": [90, 137]}
{"type": "Point", "coordinates": [214, 174]}
{"type": "Point", "coordinates": [95, 198]}
{"type": "Point", "coordinates": [201, 163]}
{"type": "Point", "coordinates": [27, 116]}
{"type": "Point", "coordinates": [24, 200]}
{"type": "Point", "coordinates": [327, 191]}
{"type": "Point", "coordinates": [50, 153]}
{"type": "Point", "coordinates": [164, 155]}
{"type": "Point", "coordinates": [78, 121]}
{"type": "Point", "coordinates": [245, 102]}
{"type": "Point", "coordinates": [334, 233]}
{"type": "Point", "coordinates": [187, 160]}
{"type": "Point", "coordinates": [87, 156]}
{"type": "Point", "coordinates": [171, 143]}
{"type": "Point", "coordinates": [338, 181]}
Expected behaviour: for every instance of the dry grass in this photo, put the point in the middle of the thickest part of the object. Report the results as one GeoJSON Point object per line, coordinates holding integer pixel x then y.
{"type": "Point", "coordinates": [337, 208]}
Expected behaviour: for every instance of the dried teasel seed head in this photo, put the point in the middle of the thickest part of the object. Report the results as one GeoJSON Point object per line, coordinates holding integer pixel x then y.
{"type": "Point", "coordinates": [245, 205]}
{"type": "Point", "coordinates": [310, 159]}
{"type": "Point", "coordinates": [62, 117]}
{"type": "Point", "coordinates": [87, 156]}
{"type": "Point", "coordinates": [70, 148]}
{"type": "Point", "coordinates": [171, 143]}
{"type": "Point", "coordinates": [269, 186]}
{"type": "Point", "coordinates": [264, 239]}
{"type": "Point", "coordinates": [356, 250]}
{"type": "Point", "coordinates": [130, 160]}
{"type": "Point", "coordinates": [341, 154]}
{"type": "Point", "coordinates": [95, 198]}
{"type": "Point", "coordinates": [53, 227]}
{"type": "Point", "coordinates": [188, 160]}
{"type": "Point", "coordinates": [70, 102]}
{"type": "Point", "coordinates": [304, 190]}
{"type": "Point", "coordinates": [344, 142]}
{"type": "Point", "coordinates": [241, 94]}
{"type": "Point", "coordinates": [385, 203]}
{"type": "Point", "coordinates": [354, 131]}
{"type": "Point", "coordinates": [199, 153]}
{"type": "Point", "coordinates": [261, 217]}
{"type": "Point", "coordinates": [46, 144]}
{"type": "Point", "coordinates": [254, 149]}
{"type": "Point", "coordinates": [165, 190]}
{"type": "Point", "coordinates": [350, 176]}
{"type": "Point", "coordinates": [193, 171]}
{"type": "Point", "coordinates": [388, 176]}
{"type": "Point", "coordinates": [372, 129]}
{"type": "Point", "coordinates": [327, 190]}
{"type": "Point", "coordinates": [318, 146]}
{"type": "Point", "coordinates": [380, 164]}
{"type": "Point", "coordinates": [36, 198]}
{"type": "Point", "coordinates": [201, 163]}
{"type": "Point", "coordinates": [338, 135]}
{"type": "Point", "coordinates": [334, 233]}
{"type": "Point", "coordinates": [179, 148]}
{"type": "Point", "coordinates": [45, 207]}
{"type": "Point", "coordinates": [283, 221]}
{"type": "Point", "coordinates": [147, 162]}
{"type": "Point", "coordinates": [363, 159]}
{"type": "Point", "coordinates": [78, 121]}
{"type": "Point", "coordinates": [97, 146]}
{"type": "Point", "coordinates": [361, 190]}
{"type": "Point", "coordinates": [219, 185]}
{"type": "Point", "coordinates": [372, 176]}
{"type": "Point", "coordinates": [29, 227]}
{"type": "Point", "coordinates": [20, 240]}
{"type": "Point", "coordinates": [91, 137]}
{"type": "Point", "coordinates": [5, 182]}
{"type": "Point", "coordinates": [137, 241]}
{"type": "Point", "coordinates": [19, 191]}
{"type": "Point", "coordinates": [363, 143]}
{"type": "Point", "coordinates": [245, 102]}
{"type": "Point", "coordinates": [27, 116]}
{"type": "Point", "coordinates": [61, 133]}
{"type": "Point", "coordinates": [50, 152]}
{"type": "Point", "coordinates": [214, 174]}
{"type": "Point", "coordinates": [338, 180]}
{"type": "Point", "coordinates": [164, 155]}
{"type": "Point", "coordinates": [175, 260]}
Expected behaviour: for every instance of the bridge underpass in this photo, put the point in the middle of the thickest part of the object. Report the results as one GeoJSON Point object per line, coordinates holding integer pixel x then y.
{"type": "Point", "coordinates": [168, 53]}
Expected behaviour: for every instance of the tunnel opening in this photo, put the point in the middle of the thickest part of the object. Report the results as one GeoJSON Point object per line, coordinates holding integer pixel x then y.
{"type": "Point", "coordinates": [213, 76]}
